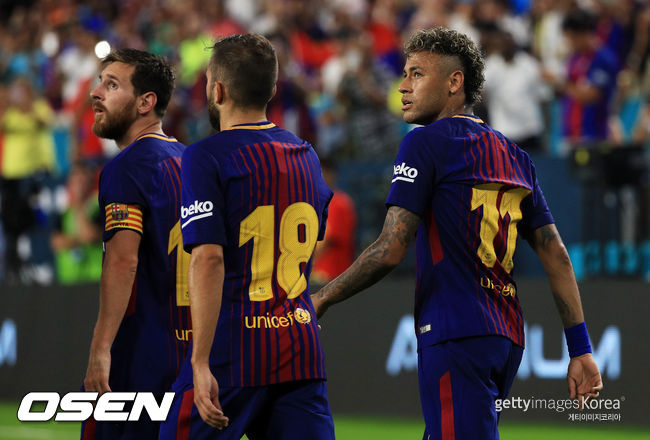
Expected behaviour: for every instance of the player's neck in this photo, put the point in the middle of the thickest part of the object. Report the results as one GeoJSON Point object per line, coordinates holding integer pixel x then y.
{"type": "Point", "coordinates": [454, 108]}
{"type": "Point", "coordinates": [137, 129]}
{"type": "Point", "coordinates": [233, 117]}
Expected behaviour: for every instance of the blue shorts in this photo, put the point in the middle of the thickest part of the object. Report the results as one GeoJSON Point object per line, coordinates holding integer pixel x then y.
{"type": "Point", "coordinates": [286, 411]}
{"type": "Point", "coordinates": [459, 383]}
{"type": "Point", "coordinates": [143, 429]}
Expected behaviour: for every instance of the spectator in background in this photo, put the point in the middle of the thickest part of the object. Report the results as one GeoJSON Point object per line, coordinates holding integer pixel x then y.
{"type": "Point", "coordinates": [514, 92]}
{"type": "Point", "coordinates": [336, 252]}
{"type": "Point", "coordinates": [27, 153]}
{"type": "Point", "coordinates": [288, 108]}
{"type": "Point", "coordinates": [549, 44]}
{"type": "Point", "coordinates": [77, 243]}
{"type": "Point", "coordinates": [372, 129]}
{"type": "Point", "coordinates": [590, 83]}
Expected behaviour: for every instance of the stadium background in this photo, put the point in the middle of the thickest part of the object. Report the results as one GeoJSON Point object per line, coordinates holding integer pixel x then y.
{"type": "Point", "coordinates": [598, 190]}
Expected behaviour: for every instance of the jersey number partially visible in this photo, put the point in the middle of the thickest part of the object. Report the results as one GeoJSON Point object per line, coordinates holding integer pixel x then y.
{"type": "Point", "coordinates": [182, 264]}
{"type": "Point", "coordinates": [487, 196]}
{"type": "Point", "coordinates": [259, 226]}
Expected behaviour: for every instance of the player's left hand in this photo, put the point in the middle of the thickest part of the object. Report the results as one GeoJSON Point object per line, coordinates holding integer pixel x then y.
{"type": "Point", "coordinates": [320, 307]}
{"type": "Point", "coordinates": [584, 379]}
{"type": "Point", "coordinates": [206, 397]}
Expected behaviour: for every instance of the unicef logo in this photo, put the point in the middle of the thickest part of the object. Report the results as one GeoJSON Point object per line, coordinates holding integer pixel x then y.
{"type": "Point", "coordinates": [302, 316]}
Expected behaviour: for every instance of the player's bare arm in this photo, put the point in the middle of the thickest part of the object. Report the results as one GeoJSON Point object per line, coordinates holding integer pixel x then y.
{"type": "Point", "coordinates": [205, 278]}
{"type": "Point", "coordinates": [583, 376]}
{"type": "Point", "coordinates": [552, 253]}
{"type": "Point", "coordinates": [118, 275]}
{"type": "Point", "coordinates": [375, 262]}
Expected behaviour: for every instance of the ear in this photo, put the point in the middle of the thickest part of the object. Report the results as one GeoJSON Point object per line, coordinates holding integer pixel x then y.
{"type": "Point", "coordinates": [218, 92]}
{"type": "Point", "coordinates": [147, 102]}
{"type": "Point", "coordinates": [275, 90]}
{"type": "Point", "coordinates": [456, 82]}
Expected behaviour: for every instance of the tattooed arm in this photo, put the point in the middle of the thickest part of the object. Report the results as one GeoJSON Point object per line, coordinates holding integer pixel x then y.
{"type": "Point", "coordinates": [375, 262]}
{"type": "Point", "coordinates": [548, 245]}
{"type": "Point", "coordinates": [583, 376]}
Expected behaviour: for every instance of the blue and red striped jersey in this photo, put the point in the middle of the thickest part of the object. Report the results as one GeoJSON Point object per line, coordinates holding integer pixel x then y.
{"type": "Point", "coordinates": [258, 191]}
{"type": "Point", "coordinates": [590, 121]}
{"type": "Point", "coordinates": [140, 190]}
{"type": "Point", "coordinates": [474, 191]}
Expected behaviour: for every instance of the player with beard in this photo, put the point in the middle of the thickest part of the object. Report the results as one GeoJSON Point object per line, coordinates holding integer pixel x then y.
{"type": "Point", "coordinates": [142, 330]}
{"type": "Point", "coordinates": [254, 204]}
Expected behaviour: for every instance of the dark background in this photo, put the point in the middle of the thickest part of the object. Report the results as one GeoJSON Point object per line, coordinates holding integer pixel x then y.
{"type": "Point", "coordinates": [54, 326]}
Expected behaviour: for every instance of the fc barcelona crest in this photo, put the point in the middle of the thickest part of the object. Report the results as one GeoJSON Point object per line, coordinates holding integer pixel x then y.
{"type": "Point", "coordinates": [119, 212]}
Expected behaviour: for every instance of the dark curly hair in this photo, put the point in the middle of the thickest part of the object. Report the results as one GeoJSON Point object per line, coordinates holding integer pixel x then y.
{"type": "Point", "coordinates": [152, 74]}
{"type": "Point", "coordinates": [444, 41]}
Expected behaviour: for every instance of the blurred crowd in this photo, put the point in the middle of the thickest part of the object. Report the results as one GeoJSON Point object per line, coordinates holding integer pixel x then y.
{"type": "Point", "coordinates": [559, 74]}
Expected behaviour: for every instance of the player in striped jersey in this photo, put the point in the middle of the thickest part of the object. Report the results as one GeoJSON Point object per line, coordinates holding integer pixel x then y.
{"type": "Point", "coordinates": [143, 326]}
{"type": "Point", "coordinates": [254, 205]}
{"type": "Point", "coordinates": [465, 191]}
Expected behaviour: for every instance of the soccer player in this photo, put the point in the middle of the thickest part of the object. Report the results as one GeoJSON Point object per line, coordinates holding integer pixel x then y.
{"type": "Point", "coordinates": [465, 191]}
{"type": "Point", "coordinates": [254, 205]}
{"type": "Point", "coordinates": [143, 327]}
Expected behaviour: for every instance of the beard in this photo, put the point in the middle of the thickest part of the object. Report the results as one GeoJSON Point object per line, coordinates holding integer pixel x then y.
{"type": "Point", "coordinates": [213, 113]}
{"type": "Point", "coordinates": [114, 126]}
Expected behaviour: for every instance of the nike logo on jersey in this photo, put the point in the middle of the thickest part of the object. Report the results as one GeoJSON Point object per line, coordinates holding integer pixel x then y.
{"type": "Point", "coordinates": [196, 211]}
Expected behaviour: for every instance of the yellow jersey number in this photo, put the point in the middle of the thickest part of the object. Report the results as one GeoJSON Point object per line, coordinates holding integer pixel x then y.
{"type": "Point", "coordinates": [182, 264]}
{"type": "Point", "coordinates": [259, 226]}
{"type": "Point", "coordinates": [486, 195]}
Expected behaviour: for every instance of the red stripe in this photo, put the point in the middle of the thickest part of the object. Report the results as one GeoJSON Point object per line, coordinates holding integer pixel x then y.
{"type": "Point", "coordinates": [172, 220]}
{"type": "Point", "coordinates": [185, 416]}
{"type": "Point", "coordinates": [183, 311]}
{"type": "Point", "coordinates": [273, 335]}
{"type": "Point", "coordinates": [251, 351]}
{"type": "Point", "coordinates": [446, 408]}
{"type": "Point", "coordinates": [471, 151]}
{"type": "Point", "coordinates": [287, 370]}
{"type": "Point", "coordinates": [293, 332]}
{"type": "Point", "coordinates": [520, 175]}
{"type": "Point", "coordinates": [498, 146]}
{"type": "Point", "coordinates": [302, 332]}
{"type": "Point", "coordinates": [268, 354]}
{"type": "Point", "coordinates": [259, 352]}
{"type": "Point", "coordinates": [242, 303]}
{"type": "Point", "coordinates": [310, 335]}
{"type": "Point", "coordinates": [89, 429]}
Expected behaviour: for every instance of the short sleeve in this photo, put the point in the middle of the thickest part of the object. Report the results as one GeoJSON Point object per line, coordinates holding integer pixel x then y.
{"type": "Point", "coordinates": [414, 174]}
{"type": "Point", "coordinates": [535, 211]}
{"type": "Point", "coordinates": [121, 198]}
{"type": "Point", "coordinates": [203, 207]}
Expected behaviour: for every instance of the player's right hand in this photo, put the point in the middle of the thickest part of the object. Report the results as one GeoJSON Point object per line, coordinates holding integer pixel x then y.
{"type": "Point", "coordinates": [99, 367]}
{"type": "Point", "coordinates": [206, 397]}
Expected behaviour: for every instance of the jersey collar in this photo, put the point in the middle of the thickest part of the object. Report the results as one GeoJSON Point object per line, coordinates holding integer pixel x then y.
{"type": "Point", "coordinates": [251, 126]}
{"type": "Point", "coordinates": [155, 136]}
{"type": "Point", "coordinates": [470, 117]}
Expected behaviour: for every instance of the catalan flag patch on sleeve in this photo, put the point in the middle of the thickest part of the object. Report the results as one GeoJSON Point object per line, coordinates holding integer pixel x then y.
{"type": "Point", "coordinates": [122, 216]}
